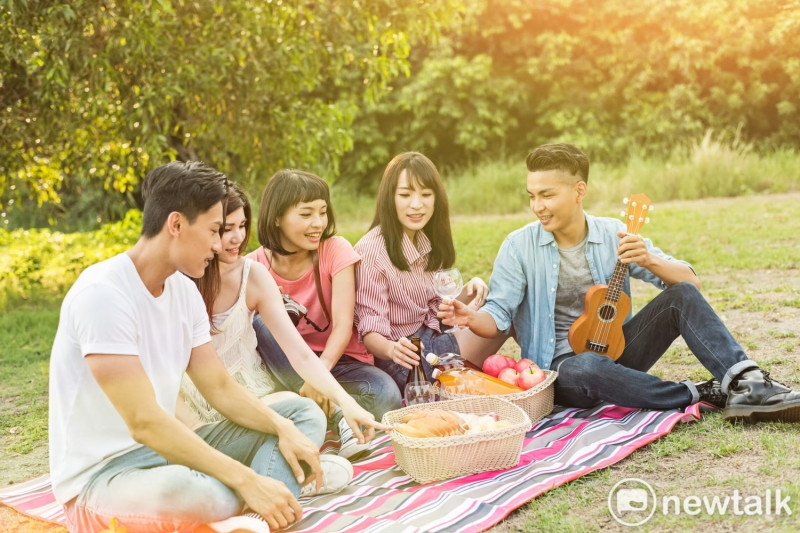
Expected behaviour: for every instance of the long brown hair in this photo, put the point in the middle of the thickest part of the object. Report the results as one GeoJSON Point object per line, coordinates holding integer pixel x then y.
{"type": "Point", "coordinates": [211, 282]}
{"type": "Point", "coordinates": [423, 173]}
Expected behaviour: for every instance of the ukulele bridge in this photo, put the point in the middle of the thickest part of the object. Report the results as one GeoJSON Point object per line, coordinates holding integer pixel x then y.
{"type": "Point", "coordinates": [596, 347]}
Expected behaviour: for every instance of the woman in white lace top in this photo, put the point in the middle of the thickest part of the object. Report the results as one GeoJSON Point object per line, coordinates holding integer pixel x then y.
{"type": "Point", "coordinates": [234, 289]}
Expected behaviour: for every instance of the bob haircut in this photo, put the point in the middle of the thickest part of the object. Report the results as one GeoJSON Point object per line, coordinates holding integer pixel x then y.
{"type": "Point", "coordinates": [420, 172]}
{"type": "Point", "coordinates": [285, 189]}
{"type": "Point", "coordinates": [209, 285]}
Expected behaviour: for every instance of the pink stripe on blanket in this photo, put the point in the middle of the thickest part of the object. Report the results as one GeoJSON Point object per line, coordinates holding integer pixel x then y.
{"type": "Point", "coordinates": [383, 499]}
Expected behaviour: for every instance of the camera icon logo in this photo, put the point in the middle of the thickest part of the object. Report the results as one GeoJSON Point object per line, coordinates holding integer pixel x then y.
{"type": "Point", "coordinates": [632, 502]}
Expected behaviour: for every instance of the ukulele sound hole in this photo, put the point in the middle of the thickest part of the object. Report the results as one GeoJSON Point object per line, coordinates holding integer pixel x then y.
{"type": "Point", "coordinates": [607, 312]}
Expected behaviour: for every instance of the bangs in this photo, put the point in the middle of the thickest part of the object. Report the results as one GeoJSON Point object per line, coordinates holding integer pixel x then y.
{"type": "Point", "coordinates": [422, 176]}
{"type": "Point", "coordinates": [305, 189]}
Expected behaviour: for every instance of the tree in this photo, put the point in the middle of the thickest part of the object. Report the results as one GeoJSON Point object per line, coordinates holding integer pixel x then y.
{"type": "Point", "coordinates": [619, 78]}
{"type": "Point", "coordinates": [96, 93]}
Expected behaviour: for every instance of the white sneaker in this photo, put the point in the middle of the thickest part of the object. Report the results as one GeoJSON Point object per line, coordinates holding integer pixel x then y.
{"type": "Point", "coordinates": [350, 446]}
{"type": "Point", "coordinates": [250, 523]}
{"type": "Point", "coordinates": [337, 472]}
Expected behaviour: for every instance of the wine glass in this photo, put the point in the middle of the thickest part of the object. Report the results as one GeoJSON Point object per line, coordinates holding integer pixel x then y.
{"type": "Point", "coordinates": [448, 284]}
{"type": "Point", "coordinates": [420, 392]}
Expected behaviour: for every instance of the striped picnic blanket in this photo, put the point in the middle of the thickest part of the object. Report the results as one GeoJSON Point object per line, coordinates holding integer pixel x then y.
{"type": "Point", "coordinates": [563, 446]}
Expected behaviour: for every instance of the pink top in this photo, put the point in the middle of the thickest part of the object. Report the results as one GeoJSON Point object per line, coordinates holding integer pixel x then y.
{"type": "Point", "coordinates": [335, 254]}
{"type": "Point", "coordinates": [392, 302]}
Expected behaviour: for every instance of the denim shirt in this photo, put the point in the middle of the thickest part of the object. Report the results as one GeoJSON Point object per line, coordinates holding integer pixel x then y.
{"type": "Point", "coordinates": [522, 289]}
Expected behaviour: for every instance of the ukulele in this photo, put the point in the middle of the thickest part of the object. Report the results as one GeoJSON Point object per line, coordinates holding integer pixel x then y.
{"type": "Point", "coordinates": [599, 328]}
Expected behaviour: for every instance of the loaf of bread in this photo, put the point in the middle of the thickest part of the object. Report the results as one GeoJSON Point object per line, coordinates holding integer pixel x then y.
{"type": "Point", "coordinates": [473, 423]}
{"type": "Point", "coordinates": [444, 423]}
{"type": "Point", "coordinates": [431, 423]}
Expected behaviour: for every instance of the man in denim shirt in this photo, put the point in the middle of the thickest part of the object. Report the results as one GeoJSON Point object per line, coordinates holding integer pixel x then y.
{"type": "Point", "coordinates": [542, 273]}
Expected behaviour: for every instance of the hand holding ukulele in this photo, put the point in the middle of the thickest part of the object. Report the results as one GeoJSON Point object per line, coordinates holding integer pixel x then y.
{"type": "Point", "coordinates": [599, 328]}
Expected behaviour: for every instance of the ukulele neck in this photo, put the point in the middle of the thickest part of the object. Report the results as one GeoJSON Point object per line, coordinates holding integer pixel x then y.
{"type": "Point", "coordinates": [616, 282]}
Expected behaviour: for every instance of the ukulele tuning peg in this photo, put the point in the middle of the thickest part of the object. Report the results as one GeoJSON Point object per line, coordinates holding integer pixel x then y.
{"type": "Point", "coordinates": [625, 200]}
{"type": "Point", "coordinates": [651, 207]}
{"type": "Point", "coordinates": [633, 204]}
{"type": "Point", "coordinates": [647, 220]}
{"type": "Point", "coordinates": [622, 214]}
{"type": "Point", "coordinates": [644, 207]}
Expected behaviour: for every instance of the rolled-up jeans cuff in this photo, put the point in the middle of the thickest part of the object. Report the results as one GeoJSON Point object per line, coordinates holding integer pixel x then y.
{"type": "Point", "coordinates": [734, 371]}
{"type": "Point", "coordinates": [693, 389]}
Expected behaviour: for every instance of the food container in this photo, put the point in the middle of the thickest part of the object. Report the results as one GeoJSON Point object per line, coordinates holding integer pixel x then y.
{"type": "Point", "coordinates": [438, 458]}
{"type": "Point", "coordinates": [537, 402]}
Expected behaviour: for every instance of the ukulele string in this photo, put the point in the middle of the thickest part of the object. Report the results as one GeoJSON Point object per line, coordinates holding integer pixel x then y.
{"type": "Point", "coordinates": [603, 328]}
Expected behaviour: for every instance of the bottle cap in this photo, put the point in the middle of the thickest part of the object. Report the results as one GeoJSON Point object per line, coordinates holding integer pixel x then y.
{"type": "Point", "coordinates": [431, 358]}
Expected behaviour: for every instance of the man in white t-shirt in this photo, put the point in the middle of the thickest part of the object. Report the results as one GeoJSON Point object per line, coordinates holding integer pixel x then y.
{"type": "Point", "coordinates": [129, 328]}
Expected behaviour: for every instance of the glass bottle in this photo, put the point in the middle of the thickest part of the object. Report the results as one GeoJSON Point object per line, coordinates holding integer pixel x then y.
{"type": "Point", "coordinates": [443, 362]}
{"type": "Point", "coordinates": [417, 373]}
{"type": "Point", "coordinates": [453, 376]}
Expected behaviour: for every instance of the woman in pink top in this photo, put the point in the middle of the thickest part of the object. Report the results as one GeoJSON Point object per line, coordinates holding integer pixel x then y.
{"type": "Point", "coordinates": [296, 230]}
{"type": "Point", "coordinates": [410, 239]}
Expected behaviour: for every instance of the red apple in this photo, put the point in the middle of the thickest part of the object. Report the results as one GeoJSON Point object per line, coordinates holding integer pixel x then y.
{"type": "Point", "coordinates": [522, 364]}
{"type": "Point", "coordinates": [509, 375]}
{"type": "Point", "coordinates": [495, 363]}
{"type": "Point", "coordinates": [530, 377]}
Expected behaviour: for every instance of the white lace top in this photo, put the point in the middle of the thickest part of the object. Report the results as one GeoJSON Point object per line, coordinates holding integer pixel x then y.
{"type": "Point", "coordinates": [236, 345]}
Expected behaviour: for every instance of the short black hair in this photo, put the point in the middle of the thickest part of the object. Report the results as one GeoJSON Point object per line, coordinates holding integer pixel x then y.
{"type": "Point", "coordinates": [188, 187]}
{"type": "Point", "coordinates": [559, 156]}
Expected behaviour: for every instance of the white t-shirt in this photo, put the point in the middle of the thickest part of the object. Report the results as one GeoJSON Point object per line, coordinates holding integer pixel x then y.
{"type": "Point", "coordinates": [110, 311]}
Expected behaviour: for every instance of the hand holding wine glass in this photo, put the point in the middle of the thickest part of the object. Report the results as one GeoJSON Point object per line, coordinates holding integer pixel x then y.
{"type": "Point", "coordinates": [448, 284]}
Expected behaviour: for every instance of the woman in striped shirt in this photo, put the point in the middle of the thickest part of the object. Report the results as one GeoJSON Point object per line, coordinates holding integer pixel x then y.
{"type": "Point", "coordinates": [409, 240]}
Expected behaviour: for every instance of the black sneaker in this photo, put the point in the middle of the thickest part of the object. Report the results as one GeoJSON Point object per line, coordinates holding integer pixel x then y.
{"type": "Point", "coordinates": [711, 392]}
{"type": "Point", "coordinates": [756, 397]}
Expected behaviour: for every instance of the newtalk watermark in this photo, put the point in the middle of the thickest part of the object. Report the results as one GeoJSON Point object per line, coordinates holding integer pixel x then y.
{"type": "Point", "coordinates": [633, 502]}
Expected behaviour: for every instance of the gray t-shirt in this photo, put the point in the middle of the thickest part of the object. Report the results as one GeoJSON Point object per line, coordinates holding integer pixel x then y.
{"type": "Point", "coordinates": [574, 279]}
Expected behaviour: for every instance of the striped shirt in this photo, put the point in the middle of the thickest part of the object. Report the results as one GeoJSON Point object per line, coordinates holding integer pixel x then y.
{"type": "Point", "coordinates": [392, 302]}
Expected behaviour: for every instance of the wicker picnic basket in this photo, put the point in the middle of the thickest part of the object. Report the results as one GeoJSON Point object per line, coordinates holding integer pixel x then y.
{"type": "Point", "coordinates": [438, 458]}
{"type": "Point", "coordinates": [537, 401]}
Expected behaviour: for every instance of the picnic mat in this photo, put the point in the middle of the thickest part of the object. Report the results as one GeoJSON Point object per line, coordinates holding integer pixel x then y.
{"type": "Point", "coordinates": [563, 446]}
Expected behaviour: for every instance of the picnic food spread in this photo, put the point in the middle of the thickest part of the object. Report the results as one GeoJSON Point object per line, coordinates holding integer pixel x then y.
{"type": "Point", "coordinates": [447, 423]}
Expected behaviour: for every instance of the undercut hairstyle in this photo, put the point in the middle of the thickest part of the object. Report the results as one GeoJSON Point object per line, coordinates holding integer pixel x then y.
{"type": "Point", "coordinates": [285, 189]}
{"type": "Point", "coordinates": [559, 156]}
{"type": "Point", "coordinates": [211, 282]}
{"type": "Point", "coordinates": [190, 188]}
{"type": "Point", "coordinates": [421, 173]}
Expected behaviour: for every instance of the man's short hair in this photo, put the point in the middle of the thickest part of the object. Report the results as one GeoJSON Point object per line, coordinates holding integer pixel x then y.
{"type": "Point", "coordinates": [559, 156]}
{"type": "Point", "coordinates": [190, 188]}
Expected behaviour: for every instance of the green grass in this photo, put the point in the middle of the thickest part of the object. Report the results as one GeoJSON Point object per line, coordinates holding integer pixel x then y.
{"type": "Point", "coordinates": [26, 335]}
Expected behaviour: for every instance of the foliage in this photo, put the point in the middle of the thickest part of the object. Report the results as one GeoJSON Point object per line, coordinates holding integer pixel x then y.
{"type": "Point", "coordinates": [43, 263]}
{"type": "Point", "coordinates": [620, 79]}
{"type": "Point", "coordinates": [94, 94]}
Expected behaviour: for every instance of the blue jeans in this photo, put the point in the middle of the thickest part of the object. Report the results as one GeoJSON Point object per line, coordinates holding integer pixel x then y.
{"type": "Point", "coordinates": [587, 379]}
{"type": "Point", "coordinates": [432, 341]}
{"type": "Point", "coordinates": [371, 387]}
{"type": "Point", "coordinates": [146, 494]}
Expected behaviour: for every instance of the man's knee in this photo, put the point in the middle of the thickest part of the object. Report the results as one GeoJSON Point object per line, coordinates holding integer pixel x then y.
{"type": "Point", "coordinates": [684, 291]}
{"type": "Point", "coordinates": [575, 370]}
